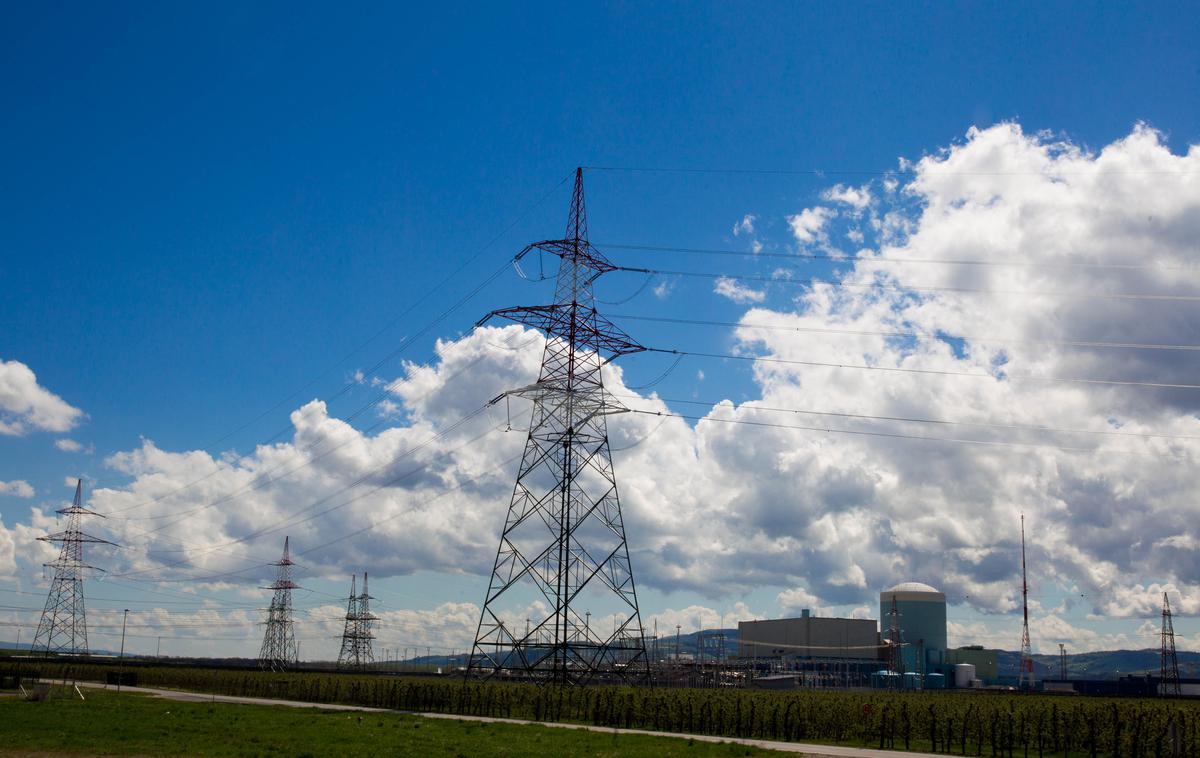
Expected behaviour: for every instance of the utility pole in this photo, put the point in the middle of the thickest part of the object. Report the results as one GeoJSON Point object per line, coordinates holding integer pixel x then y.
{"type": "Point", "coordinates": [677, 628]}
{"type": "Point", "coordinates": [564, 535]}
{"type": "Point", "coordinates": [63, 626]}
{"type": "Point", "coordinates": [158, 648]}
{"type": "Point", "coordinates": [121, 657]}
{"type": "Point", "coordinates": [280, 650]}
{"type": "Point", "coordinates": [1026, 675]}
{"type": "Point", "coordinates": [1169, 671]}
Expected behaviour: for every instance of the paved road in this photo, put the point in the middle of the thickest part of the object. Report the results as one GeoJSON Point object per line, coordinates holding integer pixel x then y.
{"type": "Point", "coordinates": [785, 747]}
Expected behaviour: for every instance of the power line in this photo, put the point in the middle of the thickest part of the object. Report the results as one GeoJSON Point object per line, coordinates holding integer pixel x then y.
{"type": "Point", "coordinates": [890, 435]}
{"type": "Point", "coordinates": [901, 261]}
{"type": "Point", "coordinates": [912, 334]}
{"type": "Point", "coordinates": [932, 372]}
{"type": "Point", "coordinates": [416, 304]}
{"type": "Point", "coordinates": [820, 172]}
{"type": "Point", "coordinates": [940, 422]}
{"type": "Point", "coordinates": [813, 282]}
{"type": "Point", "coordinates": [288, 523]}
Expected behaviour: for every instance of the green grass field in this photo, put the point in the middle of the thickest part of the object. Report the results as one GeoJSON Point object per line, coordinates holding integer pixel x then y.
{"type": "Point", "coordinates": [127, 724]}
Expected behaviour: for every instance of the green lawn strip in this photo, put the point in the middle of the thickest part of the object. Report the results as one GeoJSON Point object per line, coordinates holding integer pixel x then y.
{"type": "Point", "coordinates": [131, 724]}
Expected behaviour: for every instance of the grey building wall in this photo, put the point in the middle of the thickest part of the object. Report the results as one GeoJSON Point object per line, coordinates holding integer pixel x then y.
{"type": "Point", "coordinates": [809, 637]}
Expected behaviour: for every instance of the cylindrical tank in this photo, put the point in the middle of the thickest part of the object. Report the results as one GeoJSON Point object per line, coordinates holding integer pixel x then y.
{"type": "Point", "coordinates": [921, 619]}
{"type": "Point", "coordinates": [963, 674]}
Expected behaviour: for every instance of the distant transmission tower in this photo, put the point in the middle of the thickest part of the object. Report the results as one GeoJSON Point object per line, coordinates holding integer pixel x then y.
{"type": "Point", "coordinates": [1062, 661]}
{"type": "Point", "coordinates": [564, 538]}
{"type": "Point", "coordinates": [1169, 674]}
{"type": "Point", "coordinates": [895, 648]}
{"type": "Point", "coordinates": [1025, 682]}
{"type": "Point", "coordinates": [279, 650]}
{"type": "Point", "coordinates": [63, 626]}
{"type": "Point", "coordinates": [348, 655]}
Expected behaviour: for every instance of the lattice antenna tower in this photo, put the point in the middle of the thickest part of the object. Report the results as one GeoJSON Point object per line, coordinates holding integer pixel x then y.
{"type": "Point", "coordinates": [1169, 673]}
{"type": "Point", "coordinates": [346, 656]}
{"type": "Point", "coordinates": [279, 649]}
{"type": "Point", "coordinates": [563, 543]}
{"type": "Point", "coordinates": [63, 626]}
{"type": "Point", "coordinates": [1026, 674]}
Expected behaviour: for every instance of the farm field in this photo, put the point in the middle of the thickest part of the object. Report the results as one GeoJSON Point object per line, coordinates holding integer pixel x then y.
{"type": "Point", "coordinates": [956, 723]}
{"type": "Point", "coordinates": [130, 724]}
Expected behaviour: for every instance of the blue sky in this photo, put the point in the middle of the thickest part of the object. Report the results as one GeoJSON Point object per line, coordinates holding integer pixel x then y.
{"type": "Point", "coordinates": [204, 210]}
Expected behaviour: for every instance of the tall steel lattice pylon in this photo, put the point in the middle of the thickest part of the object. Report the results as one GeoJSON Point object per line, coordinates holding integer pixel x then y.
{"type": "Point", "coordinates": [356, 650]}
{"type": "Point", "coordinates": [279, 649]}
{"type": "Point", "coordinates": [1025, 680]}
{"type": "Point", "coordinates": [63, 626]}
{"type": "Point", "coordinates": [1169, 674]}
{"type": "Point", "coordinates": [564, 542]}
{"type": "Point", "coordinates": [895, 648]}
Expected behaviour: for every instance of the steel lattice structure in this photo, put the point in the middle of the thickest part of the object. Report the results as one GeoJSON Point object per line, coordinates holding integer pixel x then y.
{"type": "Point", "coordinates": [1169, 673]}
{"type": "Point", "coordinates": [63, 626]}
{"type": "Point", "coordinates": [1025, 680]}
{"type": "Point", "coordinates": [564, 537]}
{"type": "Point", "coordinates": [279, 649]}
{"type": "Point", "coordinates": [356, 650]}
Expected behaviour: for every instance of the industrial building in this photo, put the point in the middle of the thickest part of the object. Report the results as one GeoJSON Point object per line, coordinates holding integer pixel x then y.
{"type": "Point", "coordinates": [986, 662]}
{"type": "Point", "coordinates": [918, 612]}
{"type": "Point", "coordinates": [809, 637]}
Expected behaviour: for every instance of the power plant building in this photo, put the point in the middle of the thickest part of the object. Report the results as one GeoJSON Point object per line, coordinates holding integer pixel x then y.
{"type": "Point", "coordinates": [809, 637]}
{"type": "Point", "coordinates": [921, 618]}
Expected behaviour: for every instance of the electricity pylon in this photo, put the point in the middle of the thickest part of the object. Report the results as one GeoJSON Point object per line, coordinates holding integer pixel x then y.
{"type": "Point", "coordinates": [1169, 674]}
{"type": "Point", "coordinates": [563, 543]}
{"type": "Point", "coordinates": [347, 655]}
{"type": "Point", "coordinates": [279, 650]}
{"type": "Point", "coordinates": [895, 648]}
{"type": "Point", "coordinates": [63, 626]}
{"type": "Point", "coordinates": [356, 650]}
{"type": "Point", "coordinates": [1025, 682]}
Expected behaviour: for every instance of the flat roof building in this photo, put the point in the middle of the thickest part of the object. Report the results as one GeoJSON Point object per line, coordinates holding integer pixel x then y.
{"type": "Point", "coordinates": [809, 637]}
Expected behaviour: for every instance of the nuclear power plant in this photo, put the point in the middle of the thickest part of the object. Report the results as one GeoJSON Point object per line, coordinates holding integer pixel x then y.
{"type": "Point", "coordinates": [905, 648]}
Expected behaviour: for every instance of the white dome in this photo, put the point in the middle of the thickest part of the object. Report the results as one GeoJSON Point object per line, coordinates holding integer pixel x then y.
{"type": "Point", "coordinates": [913, 587]}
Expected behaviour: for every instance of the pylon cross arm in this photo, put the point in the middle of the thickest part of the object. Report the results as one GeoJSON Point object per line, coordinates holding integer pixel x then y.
{"type": "Point", "coordinates": [595, 333]}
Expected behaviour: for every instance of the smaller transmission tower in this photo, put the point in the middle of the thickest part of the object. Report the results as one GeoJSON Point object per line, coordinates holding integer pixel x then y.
{"type": "Point", "coordinates": [63, 626]}
{"type": "Point", "coordinates": [356, 650]}
{"type": "Point", "coordinates": [1169, 674]}
{"type": "Point", "coordinates": [1026, 675]}
{"type": "Point", "coordinates": [279, 649]}
{"type": "Point", "coordinates": [895, 648]}
{"type": "Point", "coordinates": [346, 655]}
{"type": "Point", "coordinates": [1062, 661]}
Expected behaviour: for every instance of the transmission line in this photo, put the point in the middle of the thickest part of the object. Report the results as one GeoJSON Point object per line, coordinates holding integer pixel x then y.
{"type": "Point", "coordinates": [903, 261]}
{"type": "Point", "coordinates": [912, 334]}
{"type": "Point", "coordinates": [939, 422]}
{"type": "Point", "coordinates": [932, 372]}
{"type": "Point", "coordinates": [889, 435]}
{"type": "Point", "coordinates": [813, 282]}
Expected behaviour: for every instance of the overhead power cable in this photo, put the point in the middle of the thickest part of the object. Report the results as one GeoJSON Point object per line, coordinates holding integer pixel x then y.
{"type": "Point", "coordinates": [808, 257]}
{"type": "Point", "coordinates": [889, 435]}
{"type": "Point", "coordinates": [820, 172]}
{"type": "Point", "coordinates": [911, 334]}
{"type": "Point", "coordinates": [933, 372]}
{"type": "Point", "coordinates": [939, 422]}
{"type": "Point", "coordinates": [905, 288]}
{"type": "Point", "coordinates": [420, 301]}
{"type": "Point", "coordinates": [291, 521]}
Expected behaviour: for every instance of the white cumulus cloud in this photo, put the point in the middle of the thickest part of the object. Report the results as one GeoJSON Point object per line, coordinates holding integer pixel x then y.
{"type": "Point", "coordinates": [25, 405]}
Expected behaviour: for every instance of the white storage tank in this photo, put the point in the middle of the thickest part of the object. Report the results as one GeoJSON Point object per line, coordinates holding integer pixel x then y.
{"type": "Point", "coordinates": [963, 674]}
